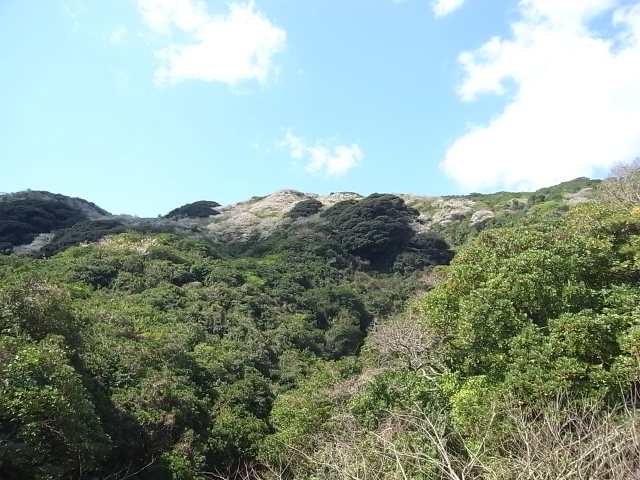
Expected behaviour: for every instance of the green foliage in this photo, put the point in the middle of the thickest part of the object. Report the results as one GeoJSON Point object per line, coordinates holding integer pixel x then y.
{"type": "Point", "coordinates": [509, 209]}
{"type": "Point", "coordinates": [529, 346]}
{"type": "Point", "coordinates": [424, 250]}
{"type": "Point", "coordinates": [300, 414]}
{"type": "Point", "coordinates": [22, 219]}
{"type": "Point", "coordinates": [503, 200]}
{"type": "Point", "coordinates": [255, 199]}
{"type": "Point", "coordinates": [305, 208]}
{"type": "Point", "coordinates": [558, 191]}
{"type": "Point", "coordinates": [394, 390]}
{"type": "Point", "coordinates": [163, 357]}
{"type": "Point", "coordinates": [48, 424]}
{"type": "Point", "coordinates": [372, 227]}
{"type": "Point", "coordinates": [540, 308]}
{"type": "Point", "coordinates": [199, 209]}
{"type": "Point", "coordinates": [176, 353]}
{"type": "Point", "coordinates": [90, 231]}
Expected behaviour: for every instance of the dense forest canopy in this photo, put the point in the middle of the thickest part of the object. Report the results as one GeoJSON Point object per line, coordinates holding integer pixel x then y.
{"type": "Point", "coordinates": [305, 208]}
{"type": "Point", "coordinates": [199, 209]}
{"type": "Point", "coordinates": [347, 344]}
{"type": "Point", "coordinates": [22, 220]}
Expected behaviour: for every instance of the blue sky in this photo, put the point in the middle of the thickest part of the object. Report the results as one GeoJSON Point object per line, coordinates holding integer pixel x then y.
{"type": "Point", "coordinates": [144, 105]}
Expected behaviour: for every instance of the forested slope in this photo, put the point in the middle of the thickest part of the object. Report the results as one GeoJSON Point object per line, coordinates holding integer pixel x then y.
{"type": "Point", "coordinates": [339, 346]}
{"type": "Point", "coordinates": [36, 223]}
{"type": "Point", "coordinates": [160, 356]}
{"type": "Point", "coordinates": [522, 363]}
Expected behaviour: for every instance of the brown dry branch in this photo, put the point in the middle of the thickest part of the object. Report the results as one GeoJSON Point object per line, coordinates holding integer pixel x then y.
{"type": "Point", "coordinates": [402, 338]}
{"type": "Point", "coordinates": [571, 441]}
{"type": "Point", "coordinates": [567, 440]}
{"type": "Point", "coordinates": [247, 471]}
{"type": "Point", "coordinates": [621, 188]}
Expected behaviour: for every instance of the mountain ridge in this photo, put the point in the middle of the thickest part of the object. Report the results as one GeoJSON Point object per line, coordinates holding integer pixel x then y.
{"type": "Point", "coordinates": [454, 217]}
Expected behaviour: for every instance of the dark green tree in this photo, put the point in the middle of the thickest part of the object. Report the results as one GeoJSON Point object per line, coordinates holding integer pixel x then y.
{"type": "Point", "coordinates": [199, 209]}
{"type": "Point", "coordinates": [305, 208]}
{"type": "Point", "coordinates": [375, 228]}
{"type": "Point", "coordinates": [22, 219]}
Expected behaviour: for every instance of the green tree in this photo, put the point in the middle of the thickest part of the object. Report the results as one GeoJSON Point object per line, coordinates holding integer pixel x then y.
{"type": "Point", "coordinates": [374, 228]}
{"type": "Point", "coordinates": [48, 426]}
{"type": "Point", "coordinates": [199, 209]}
{"type": "Point", "coordinates": [553, 277]}
{"type": "Point", "coordinates": [305, 208]}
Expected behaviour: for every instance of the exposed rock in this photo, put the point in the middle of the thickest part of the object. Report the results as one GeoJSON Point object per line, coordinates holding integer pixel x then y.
{"type": "Point", "coordinates": [127, 244]}
{"type": "Point", "coordinates": [336, 197]}
{"type": "Point", "coordinates": [480, 216]}
{"type": "Point", "coordinates": [411, 199]}
{"type": "Point", "coordinates": [517, 203]}
{"type": "Point", "coordinates": [242, 227]}
{"type": "Point", "coordinates": [422, 224]}
{"type": "Point", "coordinates": [451, 210]}
{"type": "Point", "coordinates": [259, 217]}
{"type": "Point", "coordinates": [276, 204]}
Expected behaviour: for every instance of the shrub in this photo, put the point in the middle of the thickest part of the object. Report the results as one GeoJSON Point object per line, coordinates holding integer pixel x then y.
{"type": "Point", "coordinates": [200, 209]}
{"type": "Point", "coordinates": [305, 208]}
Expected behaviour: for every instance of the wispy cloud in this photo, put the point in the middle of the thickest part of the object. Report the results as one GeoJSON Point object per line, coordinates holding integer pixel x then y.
{"type": "Point", "coordinates": [445, 7]}
{"type": "Point", "coordinates": [575, 106]}
{"type": "Point", "coordinates": [260, 146]}
{"type": "Point", "coordinates": [321, 158]}
{"type": "Point", "coordinates": [117, 35]}
{"type": "Point", "coordinates": [239, 45]}
{"type": "Point", "coordinates": [74, 9]}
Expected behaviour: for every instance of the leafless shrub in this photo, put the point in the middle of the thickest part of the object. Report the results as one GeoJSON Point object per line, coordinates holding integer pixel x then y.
{"type": "Point", "coordinates": [621, 188]}
{"type": "Point", "coordinates": [567, 440]}
{"type": "Point", "coordinates": [412, 446]}
{"type": "Point", "coordinates": [571, 441]}
{"type": "Point", "coordinates": [401, 338]}
{"type": "Point", "coordinates": [246, 471]}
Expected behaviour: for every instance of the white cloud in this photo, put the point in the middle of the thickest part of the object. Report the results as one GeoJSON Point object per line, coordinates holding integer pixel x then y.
{"type": "Point", "coordinates": [575, 109]}
{"type": "Point", "coordinates": [117, 35]}
{"type": "Point", "coordinates": [329, 161]}
{"type": "Point", "coordinates": [445, 7]}
{"type": "Point", "coordinates": [226, 48]}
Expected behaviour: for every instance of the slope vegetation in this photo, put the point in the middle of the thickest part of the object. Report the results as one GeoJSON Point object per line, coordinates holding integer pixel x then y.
{"type": "Point", "coordinates": [338, 339]}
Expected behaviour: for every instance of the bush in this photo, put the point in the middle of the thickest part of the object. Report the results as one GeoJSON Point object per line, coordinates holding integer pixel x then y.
{"type": "Point", "coordinates": [90, 231]}
{"type": "Point", "coordinates": [374, 228]}
{"type": "Point", "coordinates": [305, 208]}
{"type": "Point", "coordinates": [21, 220]}
{"type": "Point", "coordinates": [200, 209]}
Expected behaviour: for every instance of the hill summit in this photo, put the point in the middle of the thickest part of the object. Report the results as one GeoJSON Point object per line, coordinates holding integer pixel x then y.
{"type": "Point", "coordinates": [37, 222]}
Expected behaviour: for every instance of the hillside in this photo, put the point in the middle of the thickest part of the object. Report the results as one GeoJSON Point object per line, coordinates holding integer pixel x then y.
{"type": "Point", "coordinates": [38, 223]}
{"type": "Point", "coordinates": [455, 217]}
{"type": "Point", "coordinates": [30, 215]}
{"type": "Point", "coordinates": [299, 336]}
{"type": "Point", "coordinates": [148, 350]}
